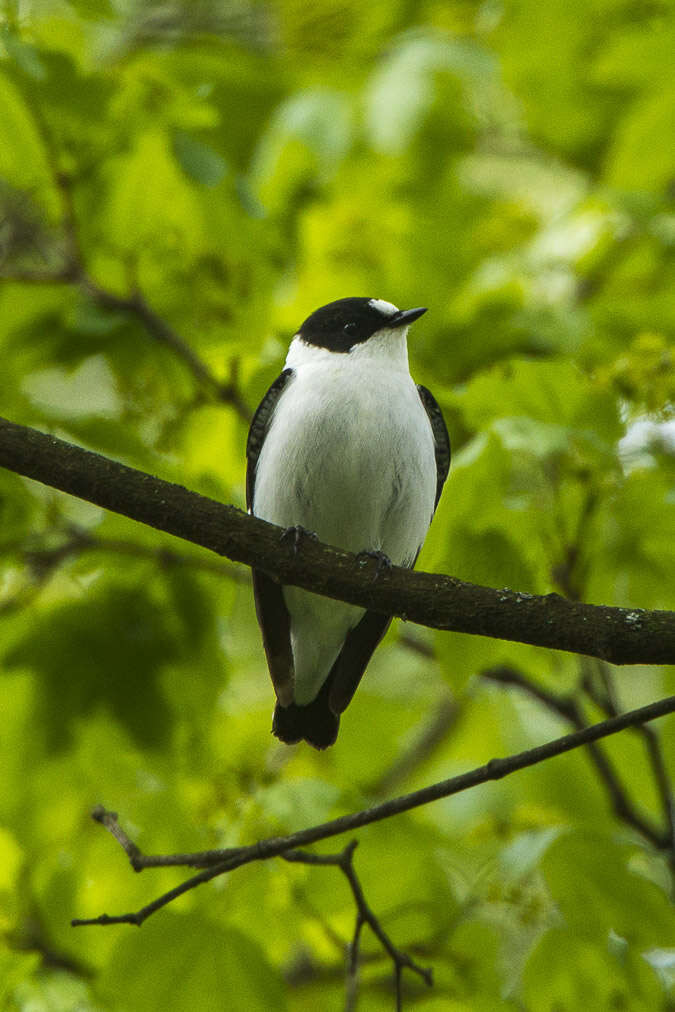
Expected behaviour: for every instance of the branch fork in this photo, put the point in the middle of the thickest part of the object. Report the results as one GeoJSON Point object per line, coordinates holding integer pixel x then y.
{"type": "Point", "coordinates": [214, 863]}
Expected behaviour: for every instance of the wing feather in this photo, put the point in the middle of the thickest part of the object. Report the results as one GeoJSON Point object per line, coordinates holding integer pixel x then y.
{"type": "Point", "coordinates": [273, 617]}
{"type": "Point", "coordinates": [441, 438]}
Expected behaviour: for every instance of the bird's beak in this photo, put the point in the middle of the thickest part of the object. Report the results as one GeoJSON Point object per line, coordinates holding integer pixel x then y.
{"type": "Point", "coordinates": [405, 317]}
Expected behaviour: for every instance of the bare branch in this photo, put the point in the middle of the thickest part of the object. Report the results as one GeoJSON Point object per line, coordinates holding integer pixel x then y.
{"type": "Point", "coordinates": [663, 783]}
{"type": "Point", "coordinates": [29, 276]}
{"type": "Point", "coordinates": [218, 862]}
{"type": "Point", "coordinates": [620, 635]}
{"type": "Point", "coordinates": [569, 709]}
{"type": "Point", "coordinates": [607, 702]}
{"type": "Point", "coordinates": [109, 820]}
{"type": "Point", "coordinates": [142, 915]}
{"type": "Point", "coordinates": [364, 915]}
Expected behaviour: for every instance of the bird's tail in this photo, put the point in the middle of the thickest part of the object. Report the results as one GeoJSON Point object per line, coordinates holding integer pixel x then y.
{"type": "Point", "coordinates": [314, 723]}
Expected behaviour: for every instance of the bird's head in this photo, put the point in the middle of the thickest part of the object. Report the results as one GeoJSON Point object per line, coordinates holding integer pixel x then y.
{"type": "Point", "coordinates": [344, 325]}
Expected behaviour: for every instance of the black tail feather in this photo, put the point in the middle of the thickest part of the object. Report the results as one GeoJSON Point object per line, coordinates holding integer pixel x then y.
{"type": "Point", "coordinates": [315, 723]}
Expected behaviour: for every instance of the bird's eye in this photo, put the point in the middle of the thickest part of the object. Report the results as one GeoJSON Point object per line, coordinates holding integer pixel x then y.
{"type": "Point", "coordinates": [350, 328]}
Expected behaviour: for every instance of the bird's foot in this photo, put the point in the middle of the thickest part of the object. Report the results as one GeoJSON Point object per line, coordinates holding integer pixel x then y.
{"type": "Point", "coordinates": [382, 561]}
{"type": "Point", "coordinates": [296, 534]}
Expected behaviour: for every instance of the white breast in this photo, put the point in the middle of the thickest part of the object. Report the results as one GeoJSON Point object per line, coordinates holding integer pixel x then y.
{"type": "Point", "coordinates": [350, 455]}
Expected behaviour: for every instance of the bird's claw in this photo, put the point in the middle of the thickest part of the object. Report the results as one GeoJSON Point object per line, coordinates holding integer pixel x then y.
{"type": "Point", "coordinates": [296, 534]}
{"type": "Point", "coordinates": [382, 561]}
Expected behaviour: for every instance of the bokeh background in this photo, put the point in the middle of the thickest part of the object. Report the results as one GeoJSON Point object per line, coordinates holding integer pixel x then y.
{"type": "Point", "coordinates": [180, 185]}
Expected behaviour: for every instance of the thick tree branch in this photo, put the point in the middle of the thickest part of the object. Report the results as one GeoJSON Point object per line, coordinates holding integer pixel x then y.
{"type": "Point", "coordinates": [618, 635]}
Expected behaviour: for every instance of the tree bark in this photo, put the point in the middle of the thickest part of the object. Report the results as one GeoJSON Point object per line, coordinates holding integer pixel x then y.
{"type": "Point", "coordinates": [617, 635]}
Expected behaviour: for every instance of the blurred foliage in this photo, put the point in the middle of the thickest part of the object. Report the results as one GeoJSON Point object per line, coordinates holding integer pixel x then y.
{"type": "Point", "coordinates": [182, 179]}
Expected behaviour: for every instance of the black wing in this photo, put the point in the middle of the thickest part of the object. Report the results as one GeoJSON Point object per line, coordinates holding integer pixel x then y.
{"type": "Point", "coordinates": [273, 617]}
{"type": "Point", "coordinates": [441, 438]}
{"type": "Point", "coordinates": [258, 431]}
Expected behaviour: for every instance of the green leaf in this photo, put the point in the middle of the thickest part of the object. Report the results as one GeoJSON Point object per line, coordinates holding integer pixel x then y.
{"type": "Point", "coordinates": [300, 802]}
{"type": "Point", "coordinates": [634, 552]}
{"type": "Point", "coordinates": [597, 894]}
{"type": "Point", "coordinates": [26, 57]}
{"type": "Point", "coordinates": [107, 650]}
{"type": "Point", "coordinates": [95, 9]}
{"type": "Point", "coordinates": [568, 971]}
{"type": "Point", "coordinates": [303, 146]}
{"type": "Point", "coordinates": [553, 394]}
{"type": "Point", "coordinates": [547, 57]}
{"type": "Point", "coordinates": [491, 532]}
{"type": "Point", "coordinates": [477, 979]}
{"type": "Point", "coordinates": [639, 159]}
{"type": "Point", "coordinates": [17, 509]}
{"type": "Point", "coordinates": [408, 84]}
{"type": "Point", "coordinates": [15, 968]}
{"type": "Point", "coordinates": [198, 159]}
{"type": "Point", "coordinates": [146, 187]}
{"type": "Point", "coordinates": [191, 962]}
{"type": "Point", "coordinates": [22, 155]}
{"type": "Point", "coordinates": [87, 390]}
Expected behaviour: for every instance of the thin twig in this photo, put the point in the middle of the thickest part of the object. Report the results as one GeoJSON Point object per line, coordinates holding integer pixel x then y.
{"type": "Point", "coordinates": [225, 391]}
{"type": "Point", "coordinates": [43, 562]}
{"type": "Point", "coordinates": [217, 862]}
{"type": "Point", "coordinates": [608, 704]}
{"type": "Point", "coordinates": [137, 305]}
{"type": "Point", "coordinates": [352, 968]}
{"type": "Point", "coordinates": [29, 276]}
{"type": "Point", "coordinates": [568, 708]}
{"type": "Point", "coordinates": [74, 271]}
{"type": "Point", "coordinates": [601, 690]}
{"type": "Point", "coordinates": [568, 574]}
{"type": "Point", "coordinates": [109, 820]}
{"type": "Point", "coordinates": [663, 782]}
{"type": "Point", "coordinates": [364, 915]}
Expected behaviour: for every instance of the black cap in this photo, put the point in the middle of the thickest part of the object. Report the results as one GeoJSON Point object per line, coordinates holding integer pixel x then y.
{"type": "Point", "coordinates": [344, 323]}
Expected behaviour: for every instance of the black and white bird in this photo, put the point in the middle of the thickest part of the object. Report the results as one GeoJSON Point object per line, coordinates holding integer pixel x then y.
{"type": "Point", "coordinates": [344, 444]}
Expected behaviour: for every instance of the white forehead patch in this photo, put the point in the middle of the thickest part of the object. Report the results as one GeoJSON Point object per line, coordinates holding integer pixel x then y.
{"type": "Point", "coordinates": [383, 307]}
